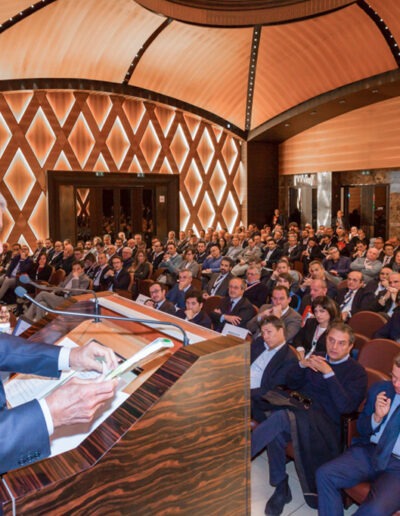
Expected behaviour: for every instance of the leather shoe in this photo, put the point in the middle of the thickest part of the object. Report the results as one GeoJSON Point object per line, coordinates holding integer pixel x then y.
{"type": "Point", "coordinates": [282, 495]}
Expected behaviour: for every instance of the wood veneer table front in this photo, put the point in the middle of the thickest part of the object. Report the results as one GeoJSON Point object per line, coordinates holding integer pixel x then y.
{"type": "Point", "coordinates": [178, 445]}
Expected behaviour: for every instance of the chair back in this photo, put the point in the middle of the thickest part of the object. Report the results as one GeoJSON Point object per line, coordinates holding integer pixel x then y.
{"type": "Point", "coordinates": [144, 286]}
{"type": "Point", "coordinates": [367, 323]}
{"type": "Point", "coordinates": [379, 354]}
{"type": "Point", "coordinates": [211, 303]}
{"type": "Point", "coordinates": [57, 277]}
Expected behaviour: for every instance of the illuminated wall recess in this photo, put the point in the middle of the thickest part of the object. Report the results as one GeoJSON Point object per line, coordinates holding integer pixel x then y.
{"type": "Point", "coordinates": [86, 131]}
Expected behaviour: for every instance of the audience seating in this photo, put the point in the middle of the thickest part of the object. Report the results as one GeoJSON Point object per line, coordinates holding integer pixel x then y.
{"type": "Point", "coordinates": [367, 323]}
{"type": "Point", "coordinates": [57, 277]}
{"type": "Point", "coordinates": [211, 303]}
{"type": "Point", "coordinates": [379, 354]}
{"type": "Point", "coordinates": [144, 286]}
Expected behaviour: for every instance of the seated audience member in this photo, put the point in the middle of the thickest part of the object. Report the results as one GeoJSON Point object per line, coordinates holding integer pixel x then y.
{"type": "Point", "coordinates": [101, 280]}
{"type": "Point", "coordinates": [396, 261]}
{"type": "Point", "coordinates": [375, 457]}
{"type": "Point", "coordinates": [21, 263]}
{"type": "Point", "coordinates": [327, 387]}
{"type": "Point", "coordinates": [171, 262]}
{"type": "Point", "coordinates": [235, 308]}
{"type": "Point", "coordinates": [177, 293]}
{"type": "Point", "coordinates": [25, 429]}
{"type": "Point", "coordinates": [40, 248]}
{"type": "Point", "coordinates": [157, 254]}
{"type": "Point", "coordinates": [312, 336]}
{"type": "Point", "coordinates": [336, 265]}
{"type": "Point", "coordinates": [280, 308]}
{"type": "Point", "coordinates": [391, 330]}
{"type": "Point", "coordinates": [250, 254]}
{"type": "Point", "coordinates": [282, 267]}
{"type": "Point", "coordinates": [286, 280]}
{"type": "Point", "coordinates": [379, 244]}
{"type": "Point", "coordinates": [67, 259]}
{"type": "Point", "coordinates": [76, 279]}
{"type": "Point", "coordinates": [127, 257]}
{"type": "Point", "coordinates": [388, 254]}
{"type": "Point", "coordinates": [201, 252]}
{"type": "Point", "coordinates": [273, 254]}
{"type": "Point", "coordinates": [58, 255]}
{"type": "Point", "coordinates": [141, 268]}
{"type": "Point", "coordinates": [118, 277]}
{"type": "Point", "coordinates": [271, 359]}
{"type": "Point", "coordinates": [219, 282]}
{"type": "Point", "coordinates": [189, 263]}
{"type": "Point", "coordinates": [41, 270]}
{"type": "Point", "coordinates": [317, 271]}
{"type": "Point", "coordinates": [157, 294]}
{"type": "Point", "coordinates": [355, 297]}
{"type": "Point", "coordinates": [360, 250]}
{"type": "Point", "coordinates": [256, 292]}
{"type": "Point", "coordinates": [292, 249]}
{"type": "Point", "coordinates": [378, 286]}
{"type": "Point", "coordinates": [193, 311]}
{"type": "Point", "coordinates": [387, 301]}
{"type": "Point", "coordinates": [370, 265]}
{"type": "Point", "coordinates": [90, 265]}
{"type": "Point", "coordinates": [5, 257]}
{"type": "Point", "coordinates": [213, 262]}
{"type": "Point", "coordinates": [311, 253]}
{"type": "Point", "coordinates": [234, 249]}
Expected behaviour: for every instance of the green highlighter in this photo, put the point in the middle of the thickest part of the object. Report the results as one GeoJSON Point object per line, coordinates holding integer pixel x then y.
{"type": "Point", "coordinates": [153, 347]}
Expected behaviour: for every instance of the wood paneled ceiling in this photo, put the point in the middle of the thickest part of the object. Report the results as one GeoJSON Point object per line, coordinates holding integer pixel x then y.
{"type": "Point", "coordinates": [275, 71]}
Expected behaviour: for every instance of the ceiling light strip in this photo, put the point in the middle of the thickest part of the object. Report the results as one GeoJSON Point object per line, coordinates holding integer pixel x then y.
{"type": "Point", "coordinates": [21, 15]}
{"type": "Point", "coordinates": [252, 74]}
{"type": "Point", "coordinates": [143, 49]}
{"type": "Point", "coordinates": [383, 28]}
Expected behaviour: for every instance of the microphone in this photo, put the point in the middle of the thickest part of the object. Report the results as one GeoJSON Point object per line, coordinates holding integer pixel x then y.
{"type": "Point", "coordinates": [26, 280]}
{"type": "Point", "coordinates": [21, 292]}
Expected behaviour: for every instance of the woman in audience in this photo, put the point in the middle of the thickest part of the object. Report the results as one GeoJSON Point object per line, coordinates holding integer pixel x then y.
{"type": "Point", "coordinates": [312, 336]}
{"type": "Point", "coordinates": [141, 267]}
{"type": "Point", "coordinates": [396, 261]}
{"type": "Point", "coordinates": [189, 263]}
{"type": "Point", "coordinates": [41, 270]}
{"type": "Point", "coordinates": [223, 245]}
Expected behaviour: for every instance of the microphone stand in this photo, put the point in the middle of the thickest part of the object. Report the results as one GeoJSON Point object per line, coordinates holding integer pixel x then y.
{"type": "Point", "coordinates": [26, 280]}
{"type": "Point", "coordinates": [21, 292]}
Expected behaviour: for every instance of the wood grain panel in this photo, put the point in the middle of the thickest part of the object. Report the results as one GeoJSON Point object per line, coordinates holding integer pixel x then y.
{"type": "Point", "coordinates": [203, 66]}
{"type": "Point", "coordinates": [301, 60]}
{"type": "Point", "coordinates": [365, 138]}
{"type": "Point", "coordinates": [89, 39]}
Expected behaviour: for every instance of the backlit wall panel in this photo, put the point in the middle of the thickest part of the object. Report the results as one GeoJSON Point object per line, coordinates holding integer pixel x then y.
{"type": "Point", "coordinates": [84, 131]}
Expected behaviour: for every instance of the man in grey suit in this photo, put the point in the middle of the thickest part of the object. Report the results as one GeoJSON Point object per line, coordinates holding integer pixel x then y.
{"type": "Point", "coordinates": [280, 308]}
{"type": "Point", "coordinates": [77, 279]}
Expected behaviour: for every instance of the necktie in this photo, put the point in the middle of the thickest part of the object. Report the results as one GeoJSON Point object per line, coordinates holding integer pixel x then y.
{"type": "Point", "coordinates": [216, 284]}
{"type": "Point", "coordinates": [347, 298]}
{"type": "Point", "coordinates": [230, 307]}
{"type": "Point", "coordinates": [384, 448]}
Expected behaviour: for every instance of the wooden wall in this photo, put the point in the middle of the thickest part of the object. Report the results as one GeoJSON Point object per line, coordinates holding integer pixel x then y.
{"type": "Point", "coordinates": [366, 138]}
{"type": "Point", "coordinates": [86, 131]}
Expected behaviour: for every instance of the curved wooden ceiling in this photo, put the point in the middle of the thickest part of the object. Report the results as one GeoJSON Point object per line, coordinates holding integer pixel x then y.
{"type": "Point", "coordinates": [298, 66]}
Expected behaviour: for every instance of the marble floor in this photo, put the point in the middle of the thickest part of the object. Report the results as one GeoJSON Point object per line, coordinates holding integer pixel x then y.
{"type": "Point", "coordinates": [261, 491]}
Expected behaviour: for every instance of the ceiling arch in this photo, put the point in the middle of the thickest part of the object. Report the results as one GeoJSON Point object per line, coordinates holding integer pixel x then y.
{"type": "Point", "coordinates": [261, 78]}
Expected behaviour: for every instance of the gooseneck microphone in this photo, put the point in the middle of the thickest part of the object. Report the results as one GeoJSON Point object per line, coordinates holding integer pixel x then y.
{"type": "Point", "coordinates": [26, 280]}
{"type": "Point", "coordinates": [21, 292]}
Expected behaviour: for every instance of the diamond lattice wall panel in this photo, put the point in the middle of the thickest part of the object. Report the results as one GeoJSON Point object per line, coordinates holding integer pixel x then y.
{"type": "Point", "coordinates": [90, 132]}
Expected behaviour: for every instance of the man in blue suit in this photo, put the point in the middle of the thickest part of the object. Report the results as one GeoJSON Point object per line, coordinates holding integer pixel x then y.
{"type": "Point", "coordinates": [25, 429]}
{"type": "Point", "coordinates": [376, 458]}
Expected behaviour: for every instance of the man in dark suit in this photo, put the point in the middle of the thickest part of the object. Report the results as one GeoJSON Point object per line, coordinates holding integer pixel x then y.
{"type": "Point", "coordinates": [292, 249]}
{"type": "Point", "coordinates": [194, 312]}
{"type": "Point", "coordinates": [375, 458]}
{"type": "Point", "coordinates": [355, 297]}
{"type": "Point", "coordinates": [326, 387]}
{"type": "Point", "coordinates": [157, 255]}
{"type": "Point", "coordinates": [176, 295]}
{"type": "Point", "coordinates": [21, 263]}
{"type": "Point", "coordinates": [256, 292]}
{"type": "Point", "coordinates": [219, 281]}
{"type": "Point", "coordinates": [336, 264]}
{"type": "Point", "coordinates": [158, 301]}
{"type": "Point", "coordinates": [118, 277]}
{"type": "Point", "coordinates": [25, 429]}
{"type": "Point", "coordinates": [58, 255]}
{"type": "Point", "coordinates": [273, 254]}
{"type": "Point", "coordinates": [234, 309]}
{"type": "Point", "coordinates": [100, 279]}
{"type": "Point", "coordinates": [271, 359]}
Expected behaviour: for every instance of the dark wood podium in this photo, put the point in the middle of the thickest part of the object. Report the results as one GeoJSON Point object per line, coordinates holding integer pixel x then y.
{"type": "Point", "coordinates": [177, 445]}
